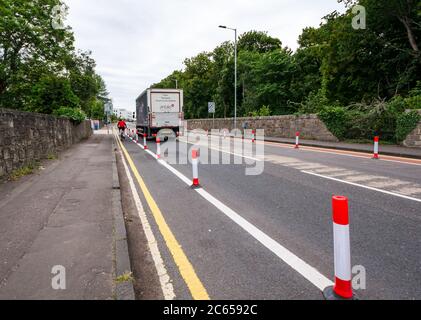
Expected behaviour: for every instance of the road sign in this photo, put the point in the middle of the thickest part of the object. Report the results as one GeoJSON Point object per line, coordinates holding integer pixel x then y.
{"type": "Point", "coordinates": [212, 107]}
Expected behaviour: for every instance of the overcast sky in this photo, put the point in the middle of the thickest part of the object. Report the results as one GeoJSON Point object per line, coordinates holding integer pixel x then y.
{"type": "Point", "coordinates": [137, 43]}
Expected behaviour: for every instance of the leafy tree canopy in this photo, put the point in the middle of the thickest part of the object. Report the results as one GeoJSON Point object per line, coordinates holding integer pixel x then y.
{"type": "Point", "coordinates": [40, 70]}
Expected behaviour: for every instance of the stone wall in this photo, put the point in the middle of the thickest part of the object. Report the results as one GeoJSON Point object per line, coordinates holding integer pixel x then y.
{"type": "Point", "coordinates": [310, 126]}
{"type": "Point", "coordinates": [414, 138]}
{"type": "Point", "coordinates": [29, 137]}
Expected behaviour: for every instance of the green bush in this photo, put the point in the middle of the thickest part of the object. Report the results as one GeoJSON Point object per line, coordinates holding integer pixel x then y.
{"type": "Point", "coordinates": [262, 112]}
{"type": "Point", "coordinates": [335, 119]}
{"type": "Point", "coordinates": [406, 123]}
{"type": "Point", "coordinates": [361, 121]}
{"type": "Point", "coordinates": [74, 114]}
{"type": "Point", "coordinates": [316, 102]}
{"type": "Point", "coordinates": [413, 102]}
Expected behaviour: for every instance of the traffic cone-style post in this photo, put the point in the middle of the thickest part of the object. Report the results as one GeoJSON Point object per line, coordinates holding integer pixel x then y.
{"type": "Point", "coordinates": [195, 165]}
{"type": "Point", "coordinates": [297, 140]}
{"type": "Point", "coordinates": [145, 145]}
{"type": "Point", "coordinates": [342, 289]}
{"type": "Point", "coordinates": [158, 148]}
{"type": "Point", "coordinates": [376, 148]}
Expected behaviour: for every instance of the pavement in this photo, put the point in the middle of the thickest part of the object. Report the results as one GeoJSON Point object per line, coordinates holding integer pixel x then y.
{"type": "Point", "coordinates": [239, 232]}
{"type": "Point", "coordinates": [62, 232]}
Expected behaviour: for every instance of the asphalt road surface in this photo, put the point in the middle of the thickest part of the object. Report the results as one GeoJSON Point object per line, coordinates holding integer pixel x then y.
{"type": "Point", "coordinates": [270, 236]}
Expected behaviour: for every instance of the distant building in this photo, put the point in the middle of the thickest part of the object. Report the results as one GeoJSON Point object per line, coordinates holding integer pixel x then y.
{"type": "Point", "coordinates": [125, 114]}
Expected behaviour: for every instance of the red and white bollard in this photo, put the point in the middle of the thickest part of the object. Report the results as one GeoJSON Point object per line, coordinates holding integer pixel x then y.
{"type": "Point", "coordinates": [145, 145]}
{"type": "Point", "coordinates": [195, 165]}
{"type": "Point", "coordinates": [342, 251]}
{"type": "Point", "coordinates": [297, 140]}
{"type": "Point", "coordinates": [376, 148]}
{"type": "Point", "coordinates": [158, 148]}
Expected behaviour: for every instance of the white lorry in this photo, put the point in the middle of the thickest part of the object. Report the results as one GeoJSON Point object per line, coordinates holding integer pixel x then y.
{"type": "Point", "coordinates": [160, 111]}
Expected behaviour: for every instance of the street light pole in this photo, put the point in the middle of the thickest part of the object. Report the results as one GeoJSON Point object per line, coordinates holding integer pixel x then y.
{"type": "Point", "coordinates": [235, 76]}
{"type": "Point", "coordinates": [235, 82]}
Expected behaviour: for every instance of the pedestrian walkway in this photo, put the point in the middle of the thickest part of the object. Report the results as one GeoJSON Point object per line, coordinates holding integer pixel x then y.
{"type": "Point", "coordinates": [64, 219]}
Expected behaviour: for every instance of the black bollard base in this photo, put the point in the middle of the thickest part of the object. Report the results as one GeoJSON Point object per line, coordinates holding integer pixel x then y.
{"type": "Point", "coordinates": [329, 294]}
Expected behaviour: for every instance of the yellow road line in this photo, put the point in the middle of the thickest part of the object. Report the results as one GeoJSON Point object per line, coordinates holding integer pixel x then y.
{"type": "Point", "coordinates": [186, 269]}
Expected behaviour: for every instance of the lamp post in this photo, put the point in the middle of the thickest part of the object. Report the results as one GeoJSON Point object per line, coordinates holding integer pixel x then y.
{"type": "Point", "coordinates": [235, 76]}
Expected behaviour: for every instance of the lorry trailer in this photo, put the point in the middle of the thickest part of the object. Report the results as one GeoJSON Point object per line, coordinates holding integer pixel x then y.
{"type": "Point", "coordinates": [160, 112]}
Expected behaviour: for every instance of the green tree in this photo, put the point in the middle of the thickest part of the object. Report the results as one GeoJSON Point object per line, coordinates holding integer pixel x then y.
{"type": "Point", "coordinates": [51, 93]}
{"type": "Point", "coordinates": [258, 41]}
{"type": "Point", "coordinates": [39, 68]}
{"type": "Point", "coordinates": [27, 38]}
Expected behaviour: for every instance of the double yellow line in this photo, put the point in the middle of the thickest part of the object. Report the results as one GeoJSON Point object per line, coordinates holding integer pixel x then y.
{"type": "Point", "coordinates": [186, 269]}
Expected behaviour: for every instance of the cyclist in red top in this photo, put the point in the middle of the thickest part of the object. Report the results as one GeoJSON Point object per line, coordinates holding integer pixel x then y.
{"type": "Point", "coordinates": [122, 125]}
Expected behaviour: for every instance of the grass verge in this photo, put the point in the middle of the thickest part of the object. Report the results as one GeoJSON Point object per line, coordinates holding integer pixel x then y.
{"type": "Point", "coordinates": [24, 171]}
{"type": "Point", "coordinates": [126, 277]}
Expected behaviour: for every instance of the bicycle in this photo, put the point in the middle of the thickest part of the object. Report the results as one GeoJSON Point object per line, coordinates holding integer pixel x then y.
{"type": "Point", "coordinates": [122, 136]}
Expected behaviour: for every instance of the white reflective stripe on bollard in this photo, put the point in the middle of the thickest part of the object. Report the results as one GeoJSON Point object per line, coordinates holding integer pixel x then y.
{"type": "Point", "coordinates": [342, 252]}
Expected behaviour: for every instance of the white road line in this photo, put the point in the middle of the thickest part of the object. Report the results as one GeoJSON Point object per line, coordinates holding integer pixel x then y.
{"type": "Point", "coordinates": [410, 190]}
{"type": "Point", "coordinates": [176, 172]}
{"type": "Point", "coordinates": [164, 278]}
{"type": "Point", "coordinates": [303, 268]}
{"type": "Point", "coordinates": [330, 170]}
{"type": "Point", "coordinates": [387, 184]}
{"type": "Point", "coordinates": [308, 166]}
{"type": "Point", "coordinates": [364, 177]}
{"type": "Point", "coordinates": [347, 173]}
{"type": "Point", "coordinates": [223, 151]}
{"type": "Point", "coordinates": [362, 186]}
{"type": "Point", "coordinates": [299, 265]}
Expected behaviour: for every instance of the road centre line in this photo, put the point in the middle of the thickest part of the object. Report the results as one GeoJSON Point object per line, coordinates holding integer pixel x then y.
{"type": "Point", "coordinates": [362, 186]}
{"type": "Point", "coordinates": [186, 269]}
{"type": "Point", "coordinates": [296, 263]}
